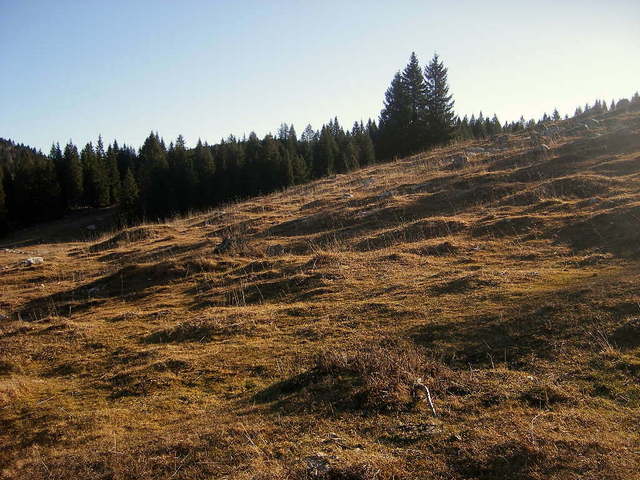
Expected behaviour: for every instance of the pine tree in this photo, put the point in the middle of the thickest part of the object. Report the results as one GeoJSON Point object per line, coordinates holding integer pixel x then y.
{"type": "Point", "coordinates": [183, 175]}
{"type": "Point", "coordinates": [495, 124]}
{"type": "Point", "coordinates": [112, 173]}
{"type": "Point", "coordinates": [325, 154]}
{"type": "Point", "coordinates": [129, 206]}
{"type": "Point", "coordinates": [253, 152]}
{"type": "Point", "coordinates": [366, 150]}
{"type": "Point", "coordinates": [556, 115]}
{"type": "Point", "coordinates": [95, 183]}
{"type": "Point", "coordinates": [416, 91]}
{"type": "Point", "coordinates": [36, 192]}
{"type": "Point", "coordinates": [440, 114]}
{"type": "Point", "coordinates": [308, 141]}
{"type": "Point", "coordinates": [72, 178]}
{"type": "Point", "coordinates": [299, 169]}
{"type": "Point", "coordinates": [155, 185]}
{"type": "Point", "coordinates": [395, 118]}
{"type": "Point", "coordinates": [55, 154]}
{"type": "Point", "coordinates": [349, 153]}
{"type": "Point", "coordinates": [286, 177]}
{"type": "Point", "coordinates": [4, 220]}
{"type": "Point", "coordinates": [205, 169]}
{"type": "Point", "coordinates": [270, 167]}
{"type": "Point", "coordinates": [101, 176]}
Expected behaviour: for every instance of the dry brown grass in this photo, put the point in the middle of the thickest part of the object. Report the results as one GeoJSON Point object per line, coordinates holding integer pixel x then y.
{"type": "Point", "coordinates": [510, 288]}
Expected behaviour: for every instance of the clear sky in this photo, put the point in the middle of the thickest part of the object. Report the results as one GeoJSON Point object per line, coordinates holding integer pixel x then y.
{"type": "Point", "coordinates": [205, 69]}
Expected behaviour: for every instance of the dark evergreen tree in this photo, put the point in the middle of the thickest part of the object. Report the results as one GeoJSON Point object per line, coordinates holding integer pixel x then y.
{"type": "Point", "coordinates": [308, 141]}
{"type": "Point", "coordinates": [325, 154]}
{"type": "Point", "coordinates": [253, 152]}
{"type": "Point", "coordinates": [155, 184]}
{"type": "Point", "coordinates": [395, 118]}
{"type": "Point", "coordinates": [36, 192]}
{"type": "Point", "coordinates": [416, 91]}
{"type": "Point", "coordinates": [129, 206]}
{"type": "Point", "coordinates": [55, 154]}
{"type": "Point", "coordinates": [365, 148]}
{"type": "Point", "coordinates": [183, 175]}
{"type": "Point", "coordinates": [440, 114]}
{"type": "Point", "coordinates": [112, 173]}
{"type": "Point", "coordinates": [4, 217]}
{"type": "Point", "coordinates": [270, 167]}
{"type": "Point", "coordinates": [205, 169]}
{"type": "Point", "coordinates": [286, 177]}
{"type": "Point", "coordinates": [72, 179]}
{"type": "Point", "coordinates": [96, 186]}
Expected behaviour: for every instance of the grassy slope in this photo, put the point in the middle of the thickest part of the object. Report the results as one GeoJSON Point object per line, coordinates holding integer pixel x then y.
{"type": "Point", "coordinates": [511, 288]}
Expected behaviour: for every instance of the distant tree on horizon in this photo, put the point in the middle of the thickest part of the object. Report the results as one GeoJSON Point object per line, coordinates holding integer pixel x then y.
{"type": "Point", "coordinates": [4, 224]}
{"type": "Point", "coordinates": [72, 181]}
{"type": "Point", "coordinates": [129, 206]}
{"type": "Point", "coordinates": [154, 182]}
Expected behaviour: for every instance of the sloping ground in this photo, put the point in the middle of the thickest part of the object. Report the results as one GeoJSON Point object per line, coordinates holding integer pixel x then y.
{"type": "Point", "coordinates": [510, 288]}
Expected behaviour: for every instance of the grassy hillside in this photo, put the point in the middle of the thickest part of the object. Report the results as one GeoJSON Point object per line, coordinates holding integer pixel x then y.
{"type": "Point", "coordinates": [509, 287]}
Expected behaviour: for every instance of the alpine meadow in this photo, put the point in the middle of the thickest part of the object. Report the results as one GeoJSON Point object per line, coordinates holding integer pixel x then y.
{"type": "Point", "coordinates": [417, 288]}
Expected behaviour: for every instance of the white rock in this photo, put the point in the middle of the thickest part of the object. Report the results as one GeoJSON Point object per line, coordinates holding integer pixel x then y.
{"type": "Point", "coordinates": [32, 261]}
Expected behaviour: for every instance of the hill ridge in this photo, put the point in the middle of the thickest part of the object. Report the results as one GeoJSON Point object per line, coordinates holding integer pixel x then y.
{"type": "Point", "coordinates": [502, 276]}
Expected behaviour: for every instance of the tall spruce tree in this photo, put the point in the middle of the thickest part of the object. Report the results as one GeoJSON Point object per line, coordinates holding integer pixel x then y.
{"type": "Point", "coordinates": [36, 192]}
{"type": "Point", "coordinates": [394, 119]}
{"type": "Point", "coordinates": [112, 173]}
{"type": "Point", "coordinates": [4, 218]}
{"type": "Point", "coordinates": [253, 152]}
{"type": "Point", "coordinates": [205, 170]}
{"type": "Point", "coordinates": [440, 116]}
{"type": "Point", "coordinates": [55, 154]}
{"type": "Point", "coordinates": [183, 175]}
{"type": "Point", "coordinates": [72, 179]}
{"type": "Point", "coordinates": [101, 176]}
{"type": "Point", "coordinates": [129, 206]}
{"type": "Point", "coordinates": [155, 184]}
{"type": "Point", "coordinates": [96, 187]}
{"type": "Point", "coordinates": [325, 154]}
{"type": "Point", "coordinates": [366, 150]}
{"type": "Point", "coordinates": [416, 91]}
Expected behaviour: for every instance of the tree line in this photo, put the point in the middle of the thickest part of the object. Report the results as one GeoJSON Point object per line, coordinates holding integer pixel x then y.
{"type": "Point", "coordinates": [157, 180]}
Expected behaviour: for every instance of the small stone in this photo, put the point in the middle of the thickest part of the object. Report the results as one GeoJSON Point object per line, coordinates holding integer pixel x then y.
{"type": "Point", "coordinates": [32, 261]}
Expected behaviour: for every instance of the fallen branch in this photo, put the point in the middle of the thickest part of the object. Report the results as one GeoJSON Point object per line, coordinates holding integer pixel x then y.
{"type": "Point", "coordinates": [426, 389]}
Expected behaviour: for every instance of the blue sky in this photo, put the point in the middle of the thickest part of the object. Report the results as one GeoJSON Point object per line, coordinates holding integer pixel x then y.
{"type": "Point", "coordinates": [205, 69]}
